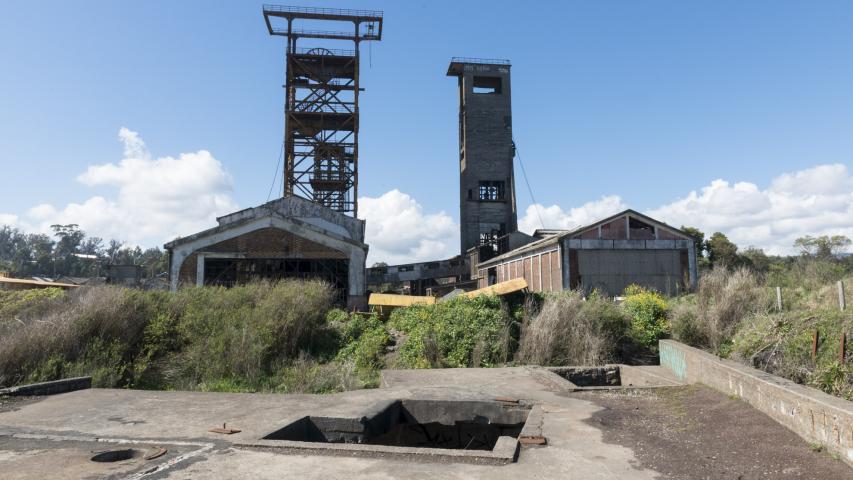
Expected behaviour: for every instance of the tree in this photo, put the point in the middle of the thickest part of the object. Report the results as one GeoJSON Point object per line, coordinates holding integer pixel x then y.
{"type": "Point", "coordinates": [756, 258]}
{"type": "Point", "coordinates": [698, 239]}
{"type": "Point", "coordinates": [154, 260]}
{"type": "Point", "coordinates": [823, 247]}
{"type": "Point", "coordinates": [721, 251]}
{"type": "Point", "coordinates": [69, 239]}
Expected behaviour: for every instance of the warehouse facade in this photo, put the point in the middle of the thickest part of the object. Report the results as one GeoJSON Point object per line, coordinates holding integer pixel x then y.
{"type": "Point", "coordinates": [608, 255]}
{"type": "Point", "coordinates": [287, 238]}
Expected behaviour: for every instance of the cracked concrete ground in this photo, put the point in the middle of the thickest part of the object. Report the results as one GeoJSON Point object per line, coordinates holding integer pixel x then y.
{"type": "Point", "coordinates": [578, 446]}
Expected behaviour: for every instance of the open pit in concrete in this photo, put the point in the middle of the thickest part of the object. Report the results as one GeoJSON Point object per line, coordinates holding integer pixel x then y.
{"type": "Point", "coordinates": [449, 430]}
{"type": "Point", "coordinates": [416, 423]}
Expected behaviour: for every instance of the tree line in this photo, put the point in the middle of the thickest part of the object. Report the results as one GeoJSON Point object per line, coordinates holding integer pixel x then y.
{"type": "Point", "coordinates": [718, 251]}
{"type": "Point", "coordinates": [70, 252]}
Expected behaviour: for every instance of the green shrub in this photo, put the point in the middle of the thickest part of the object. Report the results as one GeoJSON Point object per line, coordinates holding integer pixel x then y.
{"type": "Point", "coordinates": [364, 340]}
{"type": "Point", "coordinates": [648, 312]}
{"type": "Point", "coordinates": [462, 332]}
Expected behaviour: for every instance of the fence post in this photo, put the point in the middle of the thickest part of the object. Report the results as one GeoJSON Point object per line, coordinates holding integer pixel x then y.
{"type": "Point", "coordinates": [779, 298]}
{"type": "Point", "coordinates": [841, 303]}
{"type": "Point", "coordinates": [815, 339]}
{"type": "Point", "coordinates": [842, 352]}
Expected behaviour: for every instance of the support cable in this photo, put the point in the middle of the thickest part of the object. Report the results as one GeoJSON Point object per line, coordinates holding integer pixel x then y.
{"type": "Point", "coordinates": [275, 176]}
{"type": "Point", "coordinates": [530, 190]}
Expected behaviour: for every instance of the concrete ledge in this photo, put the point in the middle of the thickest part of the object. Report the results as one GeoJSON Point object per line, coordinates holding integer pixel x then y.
{"type": "Point", "coordinates": [811, 414]}
{"type": "Point", "coordinates": [49, 388]}
{"type": "Point", "coordinates": [504, 452]}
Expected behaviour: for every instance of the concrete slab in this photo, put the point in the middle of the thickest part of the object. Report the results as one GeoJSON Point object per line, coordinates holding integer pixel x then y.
{"type": "Point", "coordinates": [576, 446]}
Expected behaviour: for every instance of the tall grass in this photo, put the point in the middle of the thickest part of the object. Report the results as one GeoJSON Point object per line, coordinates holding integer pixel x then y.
{"type": "Point", "coordinates": [242, 336]}
{"type": "Point", "coordinates": [724, 298]}
{"type": "Point", "coordinates": [570, 330]}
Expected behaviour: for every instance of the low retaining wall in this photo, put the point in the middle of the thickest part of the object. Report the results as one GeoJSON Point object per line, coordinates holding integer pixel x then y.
{"type": "Point", "coordinates": [810, 413]}
{"type": "Point", "coordinates": [49, 388]}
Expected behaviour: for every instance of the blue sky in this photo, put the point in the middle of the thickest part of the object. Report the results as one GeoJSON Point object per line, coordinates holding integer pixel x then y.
{"type": "Point", "coordinates": [645, 101]}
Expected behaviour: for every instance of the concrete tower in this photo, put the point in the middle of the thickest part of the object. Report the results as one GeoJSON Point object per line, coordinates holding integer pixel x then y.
{"type": "Point", "coordinates": [486, 179]}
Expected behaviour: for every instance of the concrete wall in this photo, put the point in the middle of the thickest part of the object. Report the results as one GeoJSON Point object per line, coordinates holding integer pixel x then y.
{"type": "Point", "coordinates": [811, 414]}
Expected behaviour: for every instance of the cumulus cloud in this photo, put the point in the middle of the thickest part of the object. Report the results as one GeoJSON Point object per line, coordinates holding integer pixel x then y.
{"type": "Point", "coordinates": [398, 230]}
{"type": "Point", "coordinates": [814, 201]}
{"type": "Point", "coordinates": [555, 217]}
{"type": "Point", "coordinates": [155, 199]}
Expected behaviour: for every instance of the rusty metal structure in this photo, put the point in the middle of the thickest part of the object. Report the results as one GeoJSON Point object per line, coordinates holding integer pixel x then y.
{"type": "Point", "coordinates": [321, 101]}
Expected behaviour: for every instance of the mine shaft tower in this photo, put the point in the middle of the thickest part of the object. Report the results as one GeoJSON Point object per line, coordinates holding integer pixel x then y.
{"type": "Point", "coordinates": [321, 102]}
{"type": "Point", "coordinates": [486, 151]}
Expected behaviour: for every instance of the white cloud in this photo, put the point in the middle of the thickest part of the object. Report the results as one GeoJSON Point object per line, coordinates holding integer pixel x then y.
{"type": "Point", "coordinates": [8, 219]}
{"type": "Point", "coordinates": [398, 231]}
{"type": "Point", "coordinates": [556, 217]}
{"type": "Point", "coordinates": [156, 199]}
{"type": "Point", "coordinates": [814, 201]}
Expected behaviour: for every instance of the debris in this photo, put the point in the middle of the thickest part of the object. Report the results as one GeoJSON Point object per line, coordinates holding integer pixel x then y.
{"type": "Point", "coordinates": [224, 430]}
{"type": "Point", "coordinates": [155, 453]}
{"type": "Point", "coordinates": [532, 440]}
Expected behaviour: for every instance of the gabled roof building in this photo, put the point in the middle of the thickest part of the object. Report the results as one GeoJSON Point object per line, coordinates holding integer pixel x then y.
{"type": "Point", "coordinates": [608, 255]}
{"type": "Point", "coordinates": [290, 237]}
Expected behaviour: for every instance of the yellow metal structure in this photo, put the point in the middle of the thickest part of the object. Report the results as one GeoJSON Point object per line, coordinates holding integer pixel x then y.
{"type": "Point", "coordinates": [22, 283]}
{"type": "Point", "coordinates": [503, 288]}
{"type": "Point", "coordinates": [391, 300]}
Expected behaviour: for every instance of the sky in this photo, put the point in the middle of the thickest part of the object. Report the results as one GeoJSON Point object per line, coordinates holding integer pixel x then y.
{"type": "Point", "coordinates": [143, 121]}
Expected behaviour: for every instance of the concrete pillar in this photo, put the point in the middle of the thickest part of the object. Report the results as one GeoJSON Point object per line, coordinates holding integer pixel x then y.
{"type": "Point", "coordinates": [691, 265]}
{"type": "Point", "coordinates": [199, 270]}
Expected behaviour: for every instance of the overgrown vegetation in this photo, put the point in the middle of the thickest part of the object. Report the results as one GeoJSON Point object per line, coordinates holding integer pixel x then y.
{"type": "Point", "coordinates": [571, 330]}
{"type": "Point", "coordinates": [286, 337]}
{"type": "Point", "coordinates": [262, 336]}
{"type": "Point", "coordinates": [459, 333]}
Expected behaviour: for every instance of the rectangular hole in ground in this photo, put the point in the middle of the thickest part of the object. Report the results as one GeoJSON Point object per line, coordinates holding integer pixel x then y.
{"type": "Point", "coordinates": [464, 425]}
{"type": "Point", "coordinates": [591, 376]}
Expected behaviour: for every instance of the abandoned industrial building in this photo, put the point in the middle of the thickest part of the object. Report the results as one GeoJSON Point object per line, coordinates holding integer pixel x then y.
{"type": "Point", "coordinates": [287, 238]}
{"type": "Point", "coordinates": [609, 255]}
{"type": "Point", "coordinates": [313, 230]}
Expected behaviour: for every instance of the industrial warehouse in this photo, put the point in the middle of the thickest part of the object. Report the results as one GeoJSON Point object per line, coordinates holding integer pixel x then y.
{"type": "Point", "coordinates": [313, 230]}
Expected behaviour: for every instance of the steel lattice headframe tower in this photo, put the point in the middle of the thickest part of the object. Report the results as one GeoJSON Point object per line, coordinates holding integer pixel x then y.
{"type": "Point", "coordinates": [321, 103]}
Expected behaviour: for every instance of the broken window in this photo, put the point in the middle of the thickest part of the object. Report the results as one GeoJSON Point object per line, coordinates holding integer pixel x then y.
{"type": "Point", "coordinates": [405, 268]}
{"type": "Point", "coordinates": [489, 235]}
{"type": "Point", "coordinates": [487, 85]}
{"type": "Point", "coordinates": [491, 190]}
{"type": "Point", "coordinates": [640, 230]}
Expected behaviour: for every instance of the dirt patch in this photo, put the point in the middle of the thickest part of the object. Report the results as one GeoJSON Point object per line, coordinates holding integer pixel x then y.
{"type": "Point", "coordinates": [695, 432]}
